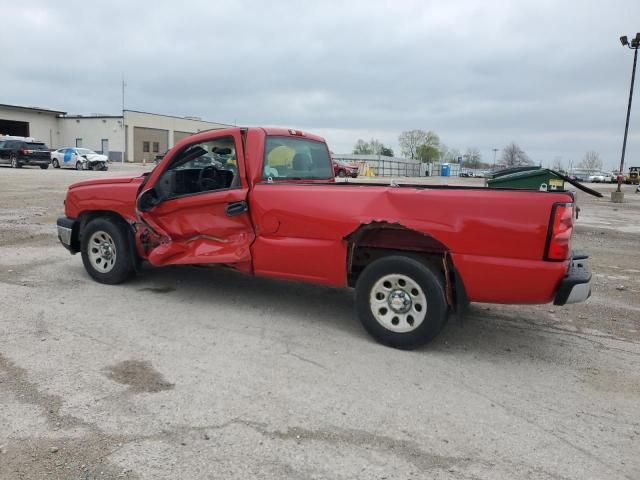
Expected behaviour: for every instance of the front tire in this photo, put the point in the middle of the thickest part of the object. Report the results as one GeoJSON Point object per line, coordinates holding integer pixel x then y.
{"type": "Point", "coordinates": [106, 252]}
{"type": "Point", "coordinates": [401, 301]}
{"type": "Point", "coordinates": [79, 166]}
{"type": "Point", "coordinates": [342, 173]}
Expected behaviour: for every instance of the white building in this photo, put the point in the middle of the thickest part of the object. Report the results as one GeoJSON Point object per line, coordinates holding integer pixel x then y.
{"type": "Point", "coordinates": [134, 136]}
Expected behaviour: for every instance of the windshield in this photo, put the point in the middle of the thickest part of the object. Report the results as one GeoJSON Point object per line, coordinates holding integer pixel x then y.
{"type": "Point", "coordinates": [295, 158]}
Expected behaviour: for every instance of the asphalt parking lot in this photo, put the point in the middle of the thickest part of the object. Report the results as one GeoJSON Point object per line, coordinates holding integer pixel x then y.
{"type": "Point", "coordinates": [206, 373]}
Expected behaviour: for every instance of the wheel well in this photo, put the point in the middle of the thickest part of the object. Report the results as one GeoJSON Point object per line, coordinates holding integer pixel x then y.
{"type": "Point", "coordinates": [86, 217]}
{"type": "Point", "coordinates": [380, 239]}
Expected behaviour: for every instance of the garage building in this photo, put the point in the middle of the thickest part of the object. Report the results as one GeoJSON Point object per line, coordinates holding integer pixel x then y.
{"type": "Point", "coordinates": [133, 136]}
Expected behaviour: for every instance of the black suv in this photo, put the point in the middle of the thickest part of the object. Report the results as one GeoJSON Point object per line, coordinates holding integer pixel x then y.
{"type": "Point", "coordinates": [21, 152]}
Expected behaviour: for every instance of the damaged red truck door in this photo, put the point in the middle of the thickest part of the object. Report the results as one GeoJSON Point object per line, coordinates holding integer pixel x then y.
{"type": "Point", "coordinates": [264, 201]}
{"type": "Point", "coordinates": [203, 216]}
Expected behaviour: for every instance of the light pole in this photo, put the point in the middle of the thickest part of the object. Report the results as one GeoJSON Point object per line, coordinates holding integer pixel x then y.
{"type": "Point", "coordinates": [634, 45]}
{"type": "Point", "coordinates": [495, 152]}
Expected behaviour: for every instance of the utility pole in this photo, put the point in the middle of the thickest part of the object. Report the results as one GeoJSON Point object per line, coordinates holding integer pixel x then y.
{"type": "Point", "coordinates": [123, 126]}
{"type": "Point", "coordinates": [495, 152]}
{"type": "Point", "coordinates": [618, 196]}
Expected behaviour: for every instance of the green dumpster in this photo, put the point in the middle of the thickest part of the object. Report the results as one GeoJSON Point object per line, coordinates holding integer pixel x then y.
{"type": "Point", "coordinates": [527, 178]}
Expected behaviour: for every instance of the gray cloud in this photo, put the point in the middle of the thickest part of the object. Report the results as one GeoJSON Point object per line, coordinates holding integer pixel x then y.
{"type": "Point", "coordinates": [548, 75]}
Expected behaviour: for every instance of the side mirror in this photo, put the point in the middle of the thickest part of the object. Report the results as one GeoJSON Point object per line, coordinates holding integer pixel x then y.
{"type": "Point", "coordinates": [147, 200]}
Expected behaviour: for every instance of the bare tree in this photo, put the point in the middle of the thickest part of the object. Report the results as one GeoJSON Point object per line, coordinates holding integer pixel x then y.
{"type": "Point", "coordinates": [376, 146]}
{"type": "Point", "coordinates": [450, 155]}
{"type": "Point", "coordinates": [557, 164]}
{"type": "Point", "coordinates": [591, 161]}
{"type": "Point", "coordinates": [472, 158]}
{"type": "Point", "coordinates": [514, 156]}
{"type": "Point", "coordinates": [409, 142]}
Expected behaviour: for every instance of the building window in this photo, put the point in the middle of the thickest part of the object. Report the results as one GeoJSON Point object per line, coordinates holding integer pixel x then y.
{"type": "Point", "coordinates": [145, 147]}
{"type": "Point", "coordinates": [156, 147]}
{"type": "Point", "coordinates": [78, 142]}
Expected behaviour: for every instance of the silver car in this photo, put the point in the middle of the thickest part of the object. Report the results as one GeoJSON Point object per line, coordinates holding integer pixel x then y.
{"type": "Point", "coordinates": [79, 158]}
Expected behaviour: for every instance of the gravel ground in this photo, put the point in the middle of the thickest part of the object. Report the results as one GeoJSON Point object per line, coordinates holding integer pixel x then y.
{"type": "Point", "coordinates": [196, 373]}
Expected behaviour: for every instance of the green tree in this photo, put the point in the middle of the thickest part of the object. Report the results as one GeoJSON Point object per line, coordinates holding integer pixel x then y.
{"type": "Point", "coordinates": [372, 147]}
{"type": "Point", "coordinates": [387, 152]}
{"type": "Point", "coordinates": [427, 153]}
{"type": "Point", "coordinates": [418, 144]}
{"type": "Point", "coordinates": [362, 148]}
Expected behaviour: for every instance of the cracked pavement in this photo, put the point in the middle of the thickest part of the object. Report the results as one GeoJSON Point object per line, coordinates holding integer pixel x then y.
{"type": "Point", "coordinates": [207, 373]}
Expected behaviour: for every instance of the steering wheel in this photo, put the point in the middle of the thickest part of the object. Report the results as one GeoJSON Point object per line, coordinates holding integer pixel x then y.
{"type": "Point", "coordinates": [205, 182]}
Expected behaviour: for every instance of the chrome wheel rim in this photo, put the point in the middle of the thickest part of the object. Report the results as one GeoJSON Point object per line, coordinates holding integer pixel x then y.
{"type": "Point", "coordinates": [14, 162]}
{"type": "Point", "coordinates": [398, 303]}
{"type": "Point", "coordinates": [102, 252]}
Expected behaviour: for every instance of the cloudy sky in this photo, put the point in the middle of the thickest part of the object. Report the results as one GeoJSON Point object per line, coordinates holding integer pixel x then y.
{"type": "Point", "coordinates": [549, 75]}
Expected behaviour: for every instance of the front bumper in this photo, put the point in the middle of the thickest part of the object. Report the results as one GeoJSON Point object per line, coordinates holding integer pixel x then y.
{"type": "Point", "coordinates": [575, 287]}
{"type": "Point", "coordinates": [68, 234]}
{"type": "Point", "coordinates": [97, 165]}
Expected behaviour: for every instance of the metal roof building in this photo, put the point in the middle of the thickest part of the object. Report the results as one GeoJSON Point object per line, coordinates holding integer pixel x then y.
{"type": "Point", "coordinates": [131, 136]}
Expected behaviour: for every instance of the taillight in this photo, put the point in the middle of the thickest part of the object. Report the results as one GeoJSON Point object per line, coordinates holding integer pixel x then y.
{"type": "Point", "coordinates": [559, 235]}
{"type": "Point", "coordinates": [23, 151]}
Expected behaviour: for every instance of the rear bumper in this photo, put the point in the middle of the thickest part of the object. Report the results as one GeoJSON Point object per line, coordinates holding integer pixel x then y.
{"type": "Point", "coordinates": [68, 234]}
{"type": "Point", "coordinates": [34, 161]}
{"type": "Point", "coordinates": [575, 287]}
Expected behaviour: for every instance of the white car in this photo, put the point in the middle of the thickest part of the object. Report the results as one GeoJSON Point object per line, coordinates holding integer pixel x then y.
{"type": "Point", "coordinates": [79, 158]}
{"type": "Point", "coordinates": [600, 177]}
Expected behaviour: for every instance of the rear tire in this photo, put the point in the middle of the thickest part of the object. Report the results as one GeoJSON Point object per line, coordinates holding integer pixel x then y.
{"type": "Point", "coordinates": [44, 167]}
{"type": "Point", "coordinates": [342, 173]}
{"type": "Point", "coordinates": [55, 163]}
{"type": "Point", "coordinates": [14, 162]}
{"type": "Point", "coordinates": [106, 251]}
{"type": "Point", "coordinates": [401, 301]}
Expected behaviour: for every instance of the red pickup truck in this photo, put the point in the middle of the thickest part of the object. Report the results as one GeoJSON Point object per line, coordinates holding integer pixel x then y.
{"type": "Point", "coordinates": [264, 201]}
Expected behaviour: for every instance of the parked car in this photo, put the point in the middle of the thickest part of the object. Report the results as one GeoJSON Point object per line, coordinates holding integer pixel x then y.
{"type": "Point", "coordinates": [600, 177]}
{"type": "Point", "coordinates": [344, 169]}
{"type": "Point", "coordinates": [158, 158]}
{"type": "Point", "coordinates": [79, 158]}
{"type": "Point", "coordinates": [579, 177]}
{"type": "Point", "coordinates": [413, 253]}
{"type": "Point", "coordinates": [18, 153]}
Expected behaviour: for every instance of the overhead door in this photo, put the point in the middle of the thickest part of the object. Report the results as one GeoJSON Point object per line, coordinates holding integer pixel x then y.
{"type": "Point", "coordinates": [149, 142]}
{"type": "Point", "coordinates": [13, 127]}
{"type": "Point", "coordinates": [177, 136]}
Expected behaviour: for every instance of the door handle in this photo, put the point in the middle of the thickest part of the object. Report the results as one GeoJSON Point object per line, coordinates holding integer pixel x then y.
{"type": "Point", "coordinates": [236, 208]}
